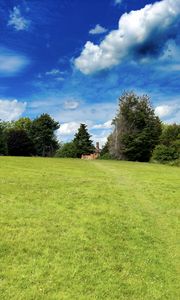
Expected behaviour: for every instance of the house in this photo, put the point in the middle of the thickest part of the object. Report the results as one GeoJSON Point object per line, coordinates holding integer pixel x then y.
{"type": "Point", "coordinates": [94, 155]}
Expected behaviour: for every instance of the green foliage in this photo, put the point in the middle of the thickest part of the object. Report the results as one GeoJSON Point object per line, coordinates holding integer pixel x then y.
{"type": "Point", "coordinates": [170, 134]}
{"type": "Point", "coordinates": [137, 129]}
{"type": "Point", "coordinates": [66, 150]}
{"type": "Point", "coordinates": [42, 133]}
{"type": "Point", "coordinates": [19, 143]}
{"type": "Point", "coordinates": [82, 141]}
{"type": "Point", "coordinates": [23, 123]}
{"type": "Point", "coordinates": [105, 153]}
{"type": "Point", "coordinates": [88, 230]}
{"type": "Point", "coordinates": [3, 142]}
{"type": "Point", "coordinates": [164, 153]}
{"type": "Point", "coordinates": [169, 148]}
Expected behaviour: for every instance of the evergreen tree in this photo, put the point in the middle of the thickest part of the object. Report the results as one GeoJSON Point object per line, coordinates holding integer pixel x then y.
{"type": "Point", "coordinates": [82, 141]}
{"type": "Point", "coordinates": [137, 129]}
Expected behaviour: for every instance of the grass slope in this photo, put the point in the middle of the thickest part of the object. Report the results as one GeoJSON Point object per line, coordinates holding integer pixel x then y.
{"type": "Point", "coordinates": [73, 229]}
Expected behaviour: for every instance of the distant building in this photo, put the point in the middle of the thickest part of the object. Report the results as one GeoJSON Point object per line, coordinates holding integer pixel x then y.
{"type": "Point", "coordinates": [94, 155]}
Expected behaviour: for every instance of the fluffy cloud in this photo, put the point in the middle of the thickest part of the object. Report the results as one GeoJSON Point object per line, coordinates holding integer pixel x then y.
{"type": "Point", "coordinates": [17, 21]}
{"type": "Point", "coordinates": [11, 110]}
{"type": "Point", "coordinates": [140, 34]}
{"type": "Point", "coordinates": [106, 125]}
{"type": "Point", "coordinates": [163, 110]}
{"type": "Point", "coordinates": [98, 30]}
{"type": "Point", "coordinates": [168, 110]}
{"type": "Point", "coordinates": [68, 128]}
{"type": "Point", "coordinates": [11, 62]}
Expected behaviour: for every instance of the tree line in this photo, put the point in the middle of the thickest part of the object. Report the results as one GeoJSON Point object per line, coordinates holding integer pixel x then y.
{"type": "Point", "coordinates": [138, 135]}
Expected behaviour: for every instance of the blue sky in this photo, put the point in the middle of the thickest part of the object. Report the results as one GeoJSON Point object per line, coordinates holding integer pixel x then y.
{"type": "Point", "coordinates": [74, 58]}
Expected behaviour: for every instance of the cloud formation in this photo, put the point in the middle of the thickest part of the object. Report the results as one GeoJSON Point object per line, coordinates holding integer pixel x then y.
{"type": "Point", "coordinates": [54, 72]}
{"type": "Point", "coordinates": [11, 110]}
{"type": "Point", "coordinates": [163, 110]}
{"type": "Point", "coordinates": [98, 29]}
{"type": "Point", "coordinates": [71, 104]}
{"type": "Point", "coordinates": [17, 21]}
{"type": "Point", "coordinates": [106, 125]}
{"type": "Point", "coordinates": [140, 34]}
{"type": "Point", "coordinates": [68, 128]}
{"type": "Point", "coordinates": [11, 62]}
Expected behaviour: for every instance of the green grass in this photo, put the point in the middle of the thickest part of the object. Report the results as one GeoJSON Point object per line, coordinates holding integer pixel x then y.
{"type": "Point", "coordinates": [73, 229]}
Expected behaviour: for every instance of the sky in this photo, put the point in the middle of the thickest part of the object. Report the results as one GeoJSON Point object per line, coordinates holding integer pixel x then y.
{"type": "Point", "coordinates": [74, 58]}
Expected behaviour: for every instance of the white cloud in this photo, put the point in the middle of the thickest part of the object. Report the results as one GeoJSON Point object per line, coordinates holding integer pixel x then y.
{"type": "Point", "coordinates": [163, 110]}
{"type": "Point", "coordinates": [140, 33]}
{"type": "Point", "coordinates": [54, 72]}
{"type": "Point", "coordinates": [101, 138]}
{"type": "Point", "coordinates": [11, 62]}
{"type": "Point", "coordinates": [68, 128]}
{"type": "Point", "coordinates": [106, 125]}
{"type": "Point", "coordinates": [117, 2]}
{"type": "Point", "coordinates": [98, 30]}
{"type": "Point", "coordinates": [169, 111]}
{"type": "Point", "coordinates": [17, 21]}
{"type": "Point", "coordinates": [11, 110]}
{"type": "Point", "coordinates": [71, 104]}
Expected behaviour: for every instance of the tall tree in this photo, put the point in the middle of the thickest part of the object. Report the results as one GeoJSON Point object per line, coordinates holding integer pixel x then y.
{"type": "Point", "coordinates": [3, 141]}
{"type": "Point", "coordinates": [82, 141]}
{"type": "Point", "coordinates": [19, 143]}
{"type": "Point", "coordinates": [43, 135]}
{"type": "Point", "coordinates": [137, 128]}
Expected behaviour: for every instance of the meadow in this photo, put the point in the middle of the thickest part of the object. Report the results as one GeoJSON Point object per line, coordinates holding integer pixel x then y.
{"type": "Point", "coordinates": [74, 229]}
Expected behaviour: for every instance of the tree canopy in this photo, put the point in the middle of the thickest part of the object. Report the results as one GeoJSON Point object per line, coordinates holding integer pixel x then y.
{"type": "Point", "coordinates": [42, 132]}
{"type": "Point", "coordinates": [83, 142]}
{"type": "Point", "coordinates": [137, 129]}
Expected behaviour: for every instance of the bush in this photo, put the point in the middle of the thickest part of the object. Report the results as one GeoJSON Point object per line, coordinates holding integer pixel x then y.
{"type": "Point", "coordinates": [66, 150]}
{"type": "Point", "coordinates": [165, 154]}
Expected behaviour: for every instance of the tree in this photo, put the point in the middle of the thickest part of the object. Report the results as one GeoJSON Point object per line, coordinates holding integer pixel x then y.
{"type": "Point", "coordinates": [169, 148]}
{"type": "Point", "coordinates": [67, 150]}
{"type": "Point", "coordinates": [23, 123]}
{"type": "Point", "coordinates": [170, 134]}
{"type": "Point", "coordinates": [82, 141]}
{"type": "Point", "coordinates": [42, 133]}
{"type": "Point", "coordinates": [3, 142]}
{"type": "Point", "coordinates": [19, 143]}
{"type": "Point", "coordinates": [137, 129]}
{"type": "Point", "coordinates": [105, 153]}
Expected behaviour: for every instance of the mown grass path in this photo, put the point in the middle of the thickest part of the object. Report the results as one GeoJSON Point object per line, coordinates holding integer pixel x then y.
{"type": "Point", "coordinates": [73, 229]}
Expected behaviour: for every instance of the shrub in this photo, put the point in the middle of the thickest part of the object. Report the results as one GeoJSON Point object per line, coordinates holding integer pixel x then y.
{"type": "Point", "coordinates": [66, 150]}
{"type": "Point", "coordinates": [164, 153]}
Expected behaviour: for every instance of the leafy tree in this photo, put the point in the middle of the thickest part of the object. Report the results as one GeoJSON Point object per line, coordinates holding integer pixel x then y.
{"type": "Point", "coordinates": [23, 123]}
{"type": "Point", "coordinates": [67, 150]}
{"type": "Point", "coordinates": [42, 133]}
{"type": "Point", "coordinates": [82, 141]}
{"type": "Point", "coordinates": [169, 148]}
{"type": "Point", "coordinates": [105, 153]}
{"type": "Point", "coordinates": [19, 143]}
{"type": "Point", "coordinates": [3, 142]}
{"type": "Point", "coordinates": [170, 134]}
{"type": "Point", "coordinates": [137, 129]}
{"type": "Point", "coordinates": [164, 153]}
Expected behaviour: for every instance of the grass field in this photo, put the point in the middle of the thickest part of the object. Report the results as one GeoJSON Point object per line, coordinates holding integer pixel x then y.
{"type": "Point", "coordinates": [73, 229]}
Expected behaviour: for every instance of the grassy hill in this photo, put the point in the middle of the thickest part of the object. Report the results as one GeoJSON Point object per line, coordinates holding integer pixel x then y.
{"type": "Point", "coordinates": [73, 229]}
